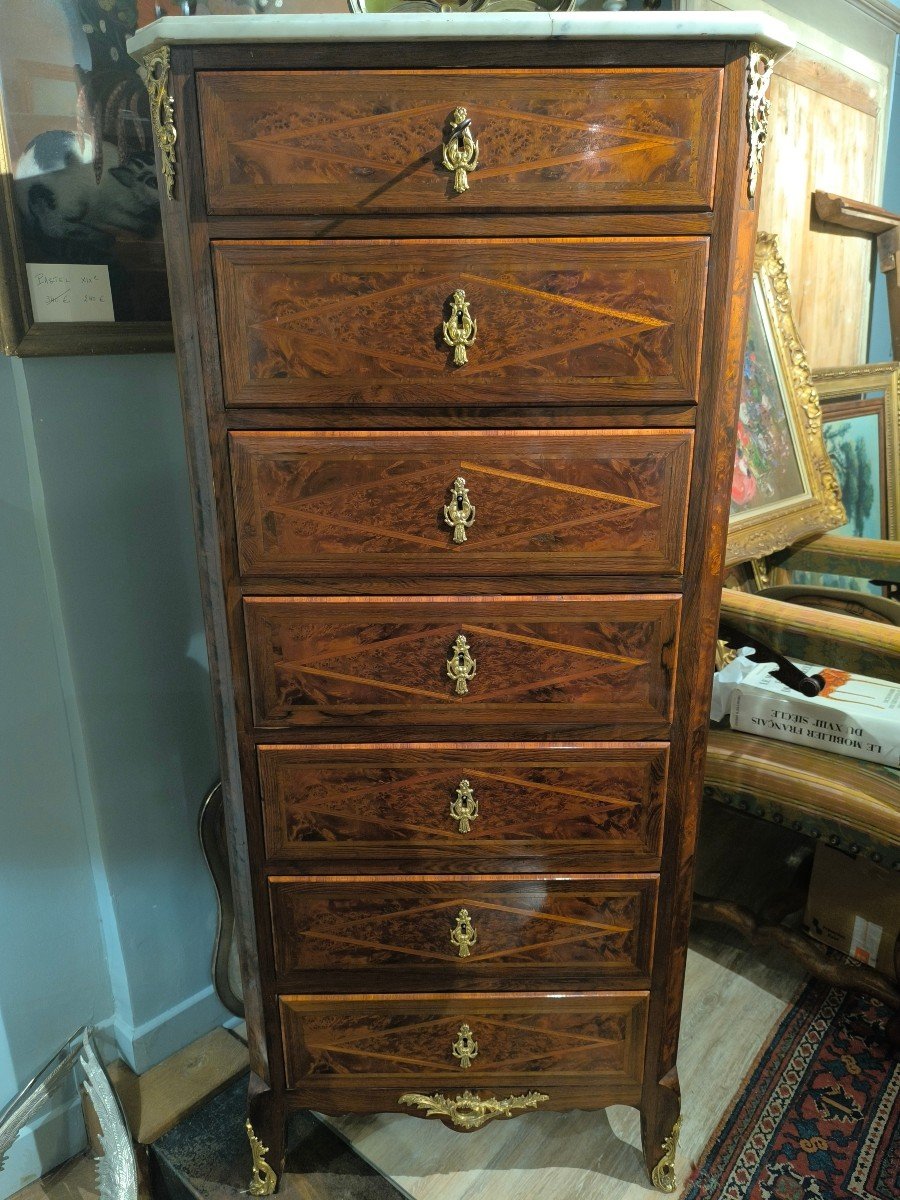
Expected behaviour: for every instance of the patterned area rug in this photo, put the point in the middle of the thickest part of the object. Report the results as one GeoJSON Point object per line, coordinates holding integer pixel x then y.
{"type": "Point", "coordinates": [818, 1118]}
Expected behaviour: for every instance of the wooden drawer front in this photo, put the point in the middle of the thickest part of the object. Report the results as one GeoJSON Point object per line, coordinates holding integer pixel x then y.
{"type": "Point", "coordinates": [339, 324]}
{"type": "Point", "coordinates": [540, 665]}
{"type": "Point", "coordinates": [525, 930]}
{"type": "Point", "coordinates": [574, 504]}
{"type": "Point", "coordinates": [573, 1039]}
{"type": "Point", "coordinates": [518, 808]}
{"type": "Point", "coordinates": [372, 141]}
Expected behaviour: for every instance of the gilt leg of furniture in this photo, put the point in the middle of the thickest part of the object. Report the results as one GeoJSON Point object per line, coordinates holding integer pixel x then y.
{"type": "Point", "coordinates": [459, 306]}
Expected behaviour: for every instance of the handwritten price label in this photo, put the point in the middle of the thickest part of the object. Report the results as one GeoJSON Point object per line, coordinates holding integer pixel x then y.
{"type": "Point", "coordinates": [70, 292]}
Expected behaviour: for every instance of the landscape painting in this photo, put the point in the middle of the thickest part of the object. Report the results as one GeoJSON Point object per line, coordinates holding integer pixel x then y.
{"type": "Point", "coordinates": [854, 443]}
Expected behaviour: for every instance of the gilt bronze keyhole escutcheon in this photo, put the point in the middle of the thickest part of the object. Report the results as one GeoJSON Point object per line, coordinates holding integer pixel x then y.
{"type": "Point", "coordinates": [465, 1048]}
{"type": "Point", "coordinates": [459, 514]}
{"type": "Point", "coordinates": [464, 806]}
{"type": "Point", "coordinates": [460, 152]}
{"type": "Point", "coordinates": [460, 328]}
{"type": "Point", "coordinates": [461, 665]}
{"type": "Point", "coordinates": [463, 935]}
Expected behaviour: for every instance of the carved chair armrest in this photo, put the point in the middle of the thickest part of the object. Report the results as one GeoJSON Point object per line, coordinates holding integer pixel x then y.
{"type": "Point", "coordinates": [863, 558]}
{"type": "Point", "coordinates": [814, 635]}
{"type": "Point", "coordinates": [777, 779]}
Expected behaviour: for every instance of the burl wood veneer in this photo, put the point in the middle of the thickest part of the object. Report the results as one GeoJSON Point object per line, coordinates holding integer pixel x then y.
{"type": "Point", "coordinates": [460, 329]}
{"type": "Point", "coordinates": [405, 1041]}
{"type": "Point", "coordinates": [545, 503]}
{"type": "Point", "coordinates": [516, 931]}
{"type": "Point", "coordinates": [339, 141]}
{"type": "Point", "coordinates": [588, 320]}
{"type": "Point", "coordinates": [580, 807]}
{"type": "Point", "coordinates": [600, 665]}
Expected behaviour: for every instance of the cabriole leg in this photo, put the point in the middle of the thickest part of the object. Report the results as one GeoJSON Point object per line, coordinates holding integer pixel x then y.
{"type": "Point", "coordinates": [266, 1129]}
{"type": "Point", "coordinates": [660, 1126]}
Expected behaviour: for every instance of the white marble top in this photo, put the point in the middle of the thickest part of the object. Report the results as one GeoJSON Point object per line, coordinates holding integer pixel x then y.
{"type": "Point", "coordinates": [391, 27]}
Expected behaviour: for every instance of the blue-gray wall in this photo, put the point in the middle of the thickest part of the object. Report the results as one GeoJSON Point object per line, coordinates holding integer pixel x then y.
{"type": "Point", "coordinates": [106, 742]}
{"type": "Point", "coordinates": [54, 974]}
{"type": "Point", "coordinates": [880, 334]}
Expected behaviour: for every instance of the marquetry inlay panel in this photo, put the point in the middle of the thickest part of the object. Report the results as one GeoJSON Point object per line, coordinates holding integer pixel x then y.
{"type": "Point", "coordinates": [544, 503]}
{"type": "Point", "coordinates": [362, 665]}
{"type": "Point", "coordinates": [596, 926]}
{"type": "Point", "coordinates": [579, 804]}
{"type": "Point", "coordinates": [582, 139]}
{"type": "Point", "coordinates": [348, 323]}
{"type": "Point", "coordinates": [578, 1038]}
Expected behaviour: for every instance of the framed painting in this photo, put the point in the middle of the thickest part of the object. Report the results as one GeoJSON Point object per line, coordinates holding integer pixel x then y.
{"type": "Point", "coordinates": [861, 426]}
{"type": "Point", "coordinates": [861, 423]}
{"type": "Point", "coordinates": [82, 265]}
{"type": "Point", "coordinates": [784, 486]}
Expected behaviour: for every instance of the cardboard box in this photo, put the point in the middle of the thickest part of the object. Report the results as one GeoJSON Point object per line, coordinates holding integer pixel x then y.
{"type": "Point", "coordinates": [854, 906]}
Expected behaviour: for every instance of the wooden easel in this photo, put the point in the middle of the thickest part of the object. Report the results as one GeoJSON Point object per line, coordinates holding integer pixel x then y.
{"type": "Point", "coordinates": [884, 226]}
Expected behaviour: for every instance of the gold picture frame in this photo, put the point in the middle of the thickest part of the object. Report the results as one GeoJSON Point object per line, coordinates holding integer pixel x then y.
{"type": "Point", "coordinates": [785, 487]}
{"type": "Point", "coordinates": [854, 395]}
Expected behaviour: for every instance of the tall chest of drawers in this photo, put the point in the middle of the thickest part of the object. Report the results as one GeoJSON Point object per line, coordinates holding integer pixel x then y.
{"type": "Point", "coordinates": [459, 322]}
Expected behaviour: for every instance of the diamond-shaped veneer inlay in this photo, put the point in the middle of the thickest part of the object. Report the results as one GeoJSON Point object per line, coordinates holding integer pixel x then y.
{"type": "Point", "coordinates": [590, 320]}
{"type": "Point", "coordinates": [383, 142]}
{"type": "Point", "coordinates": [331, 925]}
{"type": "Point", "coordinates": [556, 324]}
{"type": "Point", "coordinates": [406, 664]}
{"type": "Point", "coordinates": [342, 1038]}
{"type": "Point", "coordinates": [573, 503]}
{"type": "Point", "coordinates": [370, 663]}
{"type": "Point", "coordinates": [417, 1043]}
{"type": "Point", "coordinates": [392, 805]}
{"type": "Point", "coordinates": [555, 140]}
{"type": "Point", "coordinates": [514, 932]}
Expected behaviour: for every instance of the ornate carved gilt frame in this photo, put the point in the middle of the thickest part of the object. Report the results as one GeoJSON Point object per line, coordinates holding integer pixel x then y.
{"type": "Point", "coordinates": [753, 535]}
{"type": "Point", "coordinates": [833, 383]}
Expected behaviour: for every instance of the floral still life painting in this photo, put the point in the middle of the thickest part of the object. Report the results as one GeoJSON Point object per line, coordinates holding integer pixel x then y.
{"type": "Point", "coordinates": [766, 469]}
{"type": "Point", "coordinates": [784, 486]}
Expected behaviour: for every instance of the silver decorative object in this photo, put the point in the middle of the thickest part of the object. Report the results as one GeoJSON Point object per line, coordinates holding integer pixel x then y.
{"type": "Point", "coordinates": [22, 1108]}
{"type": "Point", "coordinates": [116, 1169]}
